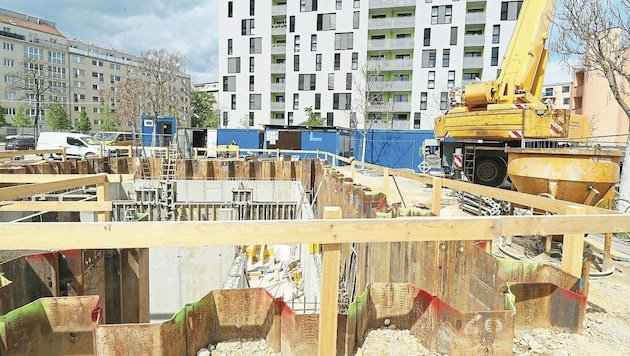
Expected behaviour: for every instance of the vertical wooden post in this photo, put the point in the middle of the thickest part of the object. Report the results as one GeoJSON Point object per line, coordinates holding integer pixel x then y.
{"type": "Point", "coordinates": [102, 194]}
{"type": "Point", "coordinates": [63, 154]}
{"type": "Point", "coordinates": [353, 169]}
{"type": "Point", "coordinates": [436, 204]}
{"type": "Point", "coordinates": [386, 181]}
{"type": "Point", "coordinates": [573, 246]}
{"type": "Point", "coordinates": [331, 254]}
{"type": "Point", "coordinates": [607, 264]}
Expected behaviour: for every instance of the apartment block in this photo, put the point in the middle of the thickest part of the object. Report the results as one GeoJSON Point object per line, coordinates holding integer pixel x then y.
{"type": "Point", "coordinates": [557, 95]}
{"type": "Point", "coordinates": [78, 75]}
{"type": "Point", "coordinates": [278, 58]}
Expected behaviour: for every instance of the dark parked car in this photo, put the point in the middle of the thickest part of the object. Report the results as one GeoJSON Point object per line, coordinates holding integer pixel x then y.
{"type": "Point", "coordinates": [20, 143]}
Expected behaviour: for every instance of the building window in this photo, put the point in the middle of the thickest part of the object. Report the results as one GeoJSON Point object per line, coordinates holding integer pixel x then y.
{"type": "Point", "coordinates": [441, 14]}
{"type": "Point", "coordinates": [401, 98]}
{"type": "Point", "coordinates": [471, 76]}
{"type": "Point", "coordinates": [10, 95]}
{"type": "Point", "coordinates": [330, 119]}
{"type": "Point", "coordinates": [318, 62]}
{"type": "Point", "coordinates": [356, 17]}
{"type": "Point", "coordinates": [247, 27]}
{"type": "Point", "coordinates": [446, 58]}
{"type": "Point", "coordinates": [496, 34]}
{"type": "Point", "coordinates": [32, 53]}
{"type": "Point", "coordinates": [296, 101]}
{"type": "Point", "coordinates": [494, 59]}
{"type": "Point", "coordinates": [308, 5]}
{"type": "Point", "coordinates": [306, 82]}
{"type": "Point", "coordinates": [225, 118]}
{"type": "Point", "coordinates": [250, 122]}
{"type": "Point", "coordinates": [342, 101]}
{"type": "Point", "coordinates": [230, 9]}
{"type": "Point", "coordinates": [510, 9]}
{"type": "Point", "coordinates": [78, 59]}
{"type": "Point", "coordinates": [229, 83]}
{"type": "Point", "coordinates": [255, 45]}
{"type": "Point", "coordinates": [401, 78]}
{"type": "Point", "coordinates": [566, 101]}
{"type": "Point", "coordinates": [230, 48]}
{"type": "Point", "coordinates": [326, 22]}
{"type": "Point", "coordinates": [357, 4]}
{"type": "Point", "coordinates": [428, 58]}
{"type": "Point", "coordinates": [313, 43]}
{"type": "Point", "coordinates": [424, 96]}
{"type": "Point", "coordinates": [338, 4]}
{"type": "Point", "coordinates": [453, 36]}
{"type": "Point", "coordinates": [254, 101]}
{"type": "Point", "coordinates": [9, 62]}
{"type": "Point", "coordinates": [251, 64]}
{"type": "Point", "coordinates": [291, 23]}
{"type": "Point", "coordinates": [331, 81]}
{"type": "Point", "coordinates": [348, 81]}
{"type": "Point", "coordinates": [233, 106]}
{"type": "Point", "coordinates": [566, 89]}
{"type": "Point", "coordinates": [344, 40]}
{"type": "Point", "coordinates": [416, 120]}
{"type": "Point", "coordinates": [444, 100]}
{"type": "Point", "coordinates": [7, 46]}
{"type": "Point", "coordinates": [234, 65]}
{"type": "Point", "coordinates": [296, 63]}
{"type": "Point", "coordinates": [355, 60]}
{"type": "Point", "coordinates": [290, 118]}
{"type": "Point", "coordinates": [56, 57]}
{"type": "Point", "coordinates": [337, 61]}
{"type": "Point", "coordinates": [296, 43]}
{"type": "Point", "coordinates": [318, 101]}
{"type": "Point", "coordinates": [451, 79]}
{"type": "Point", "coordinates": [427, 37]}
{"type": "Point", "coordinates": [431, 81]}
{"type": "Point", "coordinates": [252, 7]}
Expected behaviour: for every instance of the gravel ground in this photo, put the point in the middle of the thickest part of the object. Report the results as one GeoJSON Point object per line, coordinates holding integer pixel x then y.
{"type": "Point", "coordinates": [239, 348]}
{"type": "Point", "coordinates": [389, 341]}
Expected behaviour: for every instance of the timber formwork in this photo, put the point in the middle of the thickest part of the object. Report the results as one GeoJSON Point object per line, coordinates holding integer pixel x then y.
{"type": "Point", "coordinates": [456, 276]}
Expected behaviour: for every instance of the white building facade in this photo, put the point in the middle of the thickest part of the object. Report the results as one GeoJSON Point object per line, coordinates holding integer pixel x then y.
{"type": "Point", "coordinates": [279, 58]}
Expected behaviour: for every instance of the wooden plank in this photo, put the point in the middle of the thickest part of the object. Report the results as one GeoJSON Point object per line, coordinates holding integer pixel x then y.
{"type": "Point", "coordinates": [55, 206]}
{"type": "Point", "coordinates": [10, 193]}
{"type": "Point", "coordinates": [437, 196]}
{"type": "Point", "coordinates": [4, 154]}
{"type": "Point", "coordinates": [228, 233]}
{"type": "Point", "coordinates": [44, 178]}
{"type": "Point", "coordinates": [331, 255]}
{"type": "Point", "coordinates": [573, 247]}
{"type": "Point", "coordinates": [102, 195]}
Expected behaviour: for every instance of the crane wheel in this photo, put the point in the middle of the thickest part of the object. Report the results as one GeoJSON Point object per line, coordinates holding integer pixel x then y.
{"type": "Point", "coordinates": [490, 171]}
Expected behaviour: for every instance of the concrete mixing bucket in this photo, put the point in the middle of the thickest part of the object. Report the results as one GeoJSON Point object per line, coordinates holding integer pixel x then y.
{"type": "Point", "coordinates": [576, 175]}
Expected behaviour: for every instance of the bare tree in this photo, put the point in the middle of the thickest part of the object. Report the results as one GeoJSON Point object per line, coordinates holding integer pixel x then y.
{"type": "Point", "coordinates": [35, 80]}
{"type": "Point", "coordinates": [369, 107]}
{"type": "Point", "coordinates": [597, 32]}
{"type": "Point", "coordinates": [155, 86]}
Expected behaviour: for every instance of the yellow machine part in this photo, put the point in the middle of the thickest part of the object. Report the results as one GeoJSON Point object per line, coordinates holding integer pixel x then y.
{"type": "Point", "coordinates": [512, 124]}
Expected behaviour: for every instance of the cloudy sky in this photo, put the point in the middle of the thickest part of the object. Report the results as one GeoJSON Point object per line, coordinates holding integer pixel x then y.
{"type": "Point", "coordinates": [189, 27]}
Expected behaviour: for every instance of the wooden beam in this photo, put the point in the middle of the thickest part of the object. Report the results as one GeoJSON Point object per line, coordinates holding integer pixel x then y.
{"type": "Point", "coordinates": [573, 247]}
{"type": "Point", "coordinates": [229, 233]}
{"type": "Point", "coordinates": [102, 195]}
{"type": "Point", "coordinates": [10, 193]}
{"type": "Point", "coordinates": [436, 203]}
{"type": "Point", "coordinates": [44, 178]}
{"type": "Point", "coordinates": [55, 206]}
{"type": "Point", "coordinates": [4, 154]}
{"type": "Point", "coordinates": [331, 260]}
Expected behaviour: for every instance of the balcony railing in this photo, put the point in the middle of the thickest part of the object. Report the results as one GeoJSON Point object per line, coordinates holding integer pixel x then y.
{"type": "Point", "coordinates": [392, 23]}
{"type": "Point", "coordinates": [472, 62]}
{"type": "Point", "coordinates": [387, 4]}
{"type": "Point", "coordinates": [392, 86]}
{"type": "Point", "coordinates": [391, 44]}
{"type": "Point", "coordinates": [277, 48]}
{"type": "Point", "coordinates": [278, 10]}
{"type": "Point", "coordinates": [277, 87]}
{"type": "Point", "coordinates": [476, 18]}
{"type": "Point", "coordinates": [474, 40]}
{"type": "Point", "coordinates": [392, 64]}
{"type": "Point", "coordinates": [278, 68]}
{"type": "Point", "coordinates": [278, 30]}
{"type": "Point", "coordinates": [277, 106]}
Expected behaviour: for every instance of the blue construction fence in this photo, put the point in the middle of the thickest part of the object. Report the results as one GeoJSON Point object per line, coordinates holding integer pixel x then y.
{"type": "Point", "coordinates": [401, 149]}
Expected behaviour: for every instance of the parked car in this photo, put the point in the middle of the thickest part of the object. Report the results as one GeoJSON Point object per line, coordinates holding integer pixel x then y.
{"type": "Point", "coordinates": [117, 138]}
{"type": "Point", "coordinates": [77, 145]}
{"type": "Point", "coordinates": [20, 143]}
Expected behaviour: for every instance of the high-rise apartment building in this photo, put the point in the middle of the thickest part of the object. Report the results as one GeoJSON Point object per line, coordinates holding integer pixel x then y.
{"type": "Point", "coordinates": [76, 74]}
{"type": "Point", "coordinates": [278, 58]}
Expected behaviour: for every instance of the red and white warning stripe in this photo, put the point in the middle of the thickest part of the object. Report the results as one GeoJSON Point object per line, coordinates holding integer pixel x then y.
{"type": "Point", "coordinates": [457, 162]}
{"type": "Point", "coordinates": [557, 128]}
{"type": "Point", "coordinates": [447, 134]}
{"type": "Point", "coordinates": [516, 134]}
{"type": "Point", "coordinates": [519, 106]}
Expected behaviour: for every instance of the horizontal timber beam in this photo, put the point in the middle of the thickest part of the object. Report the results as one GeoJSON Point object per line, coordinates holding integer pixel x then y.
{"type": "Point", "coordinates": [57, 236]}
{"type": "Point", "coordinates": [24, 190]}
{"type": "Point", "coordinates": [44, 178]}
{"type": "Point", "coordinates": [55, 206]}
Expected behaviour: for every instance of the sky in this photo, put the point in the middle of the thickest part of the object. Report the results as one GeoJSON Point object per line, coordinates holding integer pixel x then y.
{"type": "Point", "coordinates": [188, 27]}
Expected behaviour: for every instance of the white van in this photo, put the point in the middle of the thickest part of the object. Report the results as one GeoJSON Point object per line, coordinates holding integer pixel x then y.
{"type": "Point", "coordinates": [76, 144]}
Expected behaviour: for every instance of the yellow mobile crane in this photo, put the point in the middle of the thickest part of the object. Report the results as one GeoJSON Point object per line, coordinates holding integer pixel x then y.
{"type": "Point", "coordinates": [507, 111]}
